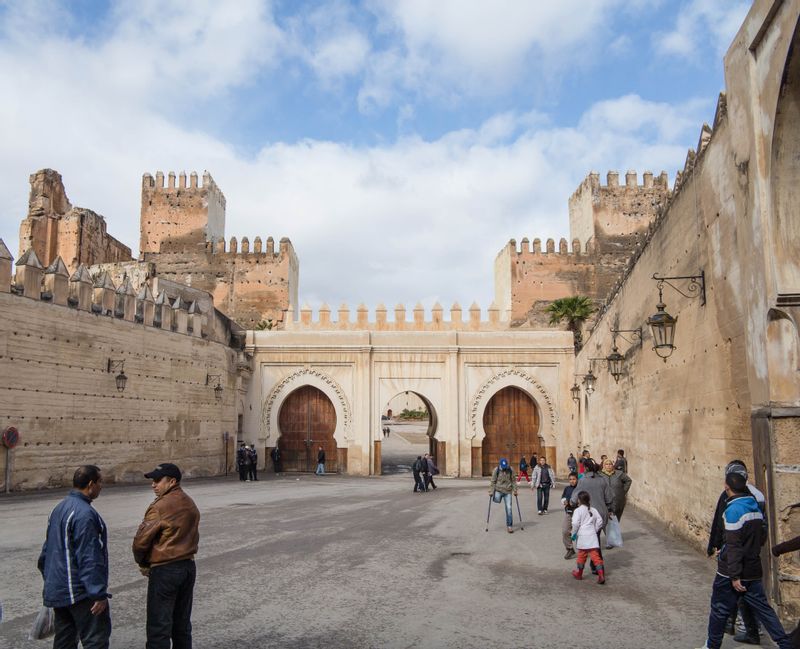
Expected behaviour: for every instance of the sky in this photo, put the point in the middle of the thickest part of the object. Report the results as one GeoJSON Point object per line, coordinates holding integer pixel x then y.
{"type": "Point", "coordinates": [399, 145]}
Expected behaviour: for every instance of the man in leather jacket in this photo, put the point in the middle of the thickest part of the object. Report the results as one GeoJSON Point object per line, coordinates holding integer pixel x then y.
{"type": "Point", "coordinates": [164, 548]}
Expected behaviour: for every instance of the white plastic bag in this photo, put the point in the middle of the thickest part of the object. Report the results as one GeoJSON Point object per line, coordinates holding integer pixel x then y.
{"type": "Point", "coordinates": [44, 624]}
{"type": "Point", "coordinates": [613, 533]}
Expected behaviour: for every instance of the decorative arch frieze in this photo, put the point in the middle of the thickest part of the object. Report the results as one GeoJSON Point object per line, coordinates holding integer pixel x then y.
{"type": "Point", "coordinates": [525, 382]}
{"type": "Point", "coordinates": [271, 406]}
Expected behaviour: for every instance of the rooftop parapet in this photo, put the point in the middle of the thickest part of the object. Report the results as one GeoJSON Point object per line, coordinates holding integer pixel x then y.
{"type": "Point", "coordinates": [243, 247]}
{"type": "Point", "coordinates": [320, 320]}
{"type": "Point", "coordinates": [526, 247]}
{"type": "Point", "coordinates": [631, 182]}
{"type": "Point", "coordinates": [156, 184]}
{"type": "Point", "coordinates": [100, 296]}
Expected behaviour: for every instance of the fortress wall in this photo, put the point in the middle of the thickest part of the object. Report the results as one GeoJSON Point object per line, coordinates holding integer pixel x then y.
{"type": "Point", "coordinates": [56, 390]}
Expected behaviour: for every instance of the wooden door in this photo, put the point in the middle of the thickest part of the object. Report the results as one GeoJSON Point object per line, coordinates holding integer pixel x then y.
{"type": "Point", "coordinates": [307, 420]}
{"type": "Point", "coordinates": [511, 422]}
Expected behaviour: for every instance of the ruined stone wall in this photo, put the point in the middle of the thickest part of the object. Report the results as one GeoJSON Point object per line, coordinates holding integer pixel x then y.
{"type": "Point", "coordinates": [55, 388]}
{"type": "Point", "coordinates": [178, 215]}
{"type": "Point", "coordinates": [54, 228]}
{"type": "Point", "coordinates": [247, 285]}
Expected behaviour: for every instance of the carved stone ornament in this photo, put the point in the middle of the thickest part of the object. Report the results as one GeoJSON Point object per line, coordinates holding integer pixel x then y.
{"type": "Point", "coordinates": [517, 378]}
{"type": "Point", "coordinates": [297, 379]}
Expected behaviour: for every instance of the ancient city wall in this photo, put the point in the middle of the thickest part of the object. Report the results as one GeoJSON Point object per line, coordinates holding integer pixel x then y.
{"type": "Point", "coordinates": [731, 388]}
{"type": "Point", "coordinates": [56, 339]}
{"type": "Point", "coordinates": [54, 228]}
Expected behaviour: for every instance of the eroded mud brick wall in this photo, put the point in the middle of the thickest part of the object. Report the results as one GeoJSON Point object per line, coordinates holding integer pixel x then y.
{"type": "Point", "coordinates": [182, 233]}
{"type": "Point", "coordinates": [54, 228]}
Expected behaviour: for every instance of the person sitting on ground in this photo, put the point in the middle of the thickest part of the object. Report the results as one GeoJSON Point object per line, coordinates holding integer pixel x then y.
{"type": "Point", "coordinates": [523, 470]}
{"type": "Point", "coordinates": [739, 566]}
{"type": "Point", "coordinates": [620, 484]}
{"type": "Point", "coordinates": [566, 525]}
{"type": "Point", "coordinates": [502, 488]}
{"type": "Point", "coordinates": [542, 480]}
{"type": "Point", "coordinates": [586, 526]}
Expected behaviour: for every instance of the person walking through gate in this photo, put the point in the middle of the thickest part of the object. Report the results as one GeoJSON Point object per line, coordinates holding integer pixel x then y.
{"type": "Point", "coordinates": [566, 524]}
{"type": "Point", "coordinates": [503, 488]}
{"type": "Point", "coordinates": [419, 486]}
{"type": "Point", "coordinates": [739, 566]}
{"type": "Point", "coordinates": [320, 461]}
{"type": "Point", "coordinates": [74, 565]}
{"type": "Point", "coordinates": [432, 470]}
{"type": "Point", "coordinates": [586, 526]}
{"type": "Point", "coordinates": [542, 480]}
{"type": "Point", "coordinates": [164, 549]}
{"type": "Point", "coordinates": [253, 472]}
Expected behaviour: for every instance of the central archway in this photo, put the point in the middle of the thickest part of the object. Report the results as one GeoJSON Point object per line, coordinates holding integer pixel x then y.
{"type": "Point", "coordinates": [307, 420]}
{"type": "Point", "coordinates": [511, 422]}
{"type": "Point", "coordinates": [408, 425]}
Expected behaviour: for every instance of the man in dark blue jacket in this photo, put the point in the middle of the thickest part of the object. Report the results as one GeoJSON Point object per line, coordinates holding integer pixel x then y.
{"type": "Point", "coordinates": [739, 566]}
{"type": "Point", "coordinates": [74, 564]}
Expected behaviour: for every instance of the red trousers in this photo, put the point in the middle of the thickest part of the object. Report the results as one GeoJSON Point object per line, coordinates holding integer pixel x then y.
{"type": "Point", "coordinates": [594, 555]}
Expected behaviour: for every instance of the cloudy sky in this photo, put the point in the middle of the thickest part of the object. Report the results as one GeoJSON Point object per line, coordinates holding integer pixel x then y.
{"type": "Point", "coordinates": [398, 144]}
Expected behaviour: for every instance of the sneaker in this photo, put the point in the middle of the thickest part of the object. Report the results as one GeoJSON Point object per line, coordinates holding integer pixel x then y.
{"type": "Point", "coordinates": [570, 553]}
{"type": "Point", "coordinates": [540, 512]}
{"type": "Point", "coordinates": [743, 638]}
{"type": "Point", "coordinates": [601, 578]}
{"type": "Point", "coordinates": [577, 574]}
{"type": "Point", "coordinates": [510, 530]}
{"type": "Point", "coordinates": [544, 511]}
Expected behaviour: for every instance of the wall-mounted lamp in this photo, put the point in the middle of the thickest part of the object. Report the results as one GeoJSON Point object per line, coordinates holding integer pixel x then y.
{"type": "Point", "coordinates": [120, 379]}
{"type": "Point", "coordinates": [210, 378]}
{"type": "Point", "coordinates": [615, 359]}
{"type": "Point", "coordinates": [575, 391]}
{"type": "Point", "coordinates": [661, 323]}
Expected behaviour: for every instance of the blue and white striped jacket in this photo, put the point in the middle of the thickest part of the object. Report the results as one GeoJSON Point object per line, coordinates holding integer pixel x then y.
{"type": "Point", "coordinates": [74, 558]}
{"type": "Point", "coordinates": [745, 533]}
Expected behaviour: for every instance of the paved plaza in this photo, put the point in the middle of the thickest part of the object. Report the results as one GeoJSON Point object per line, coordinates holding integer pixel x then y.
{"type": "Point", "coordinates": [334, 561]}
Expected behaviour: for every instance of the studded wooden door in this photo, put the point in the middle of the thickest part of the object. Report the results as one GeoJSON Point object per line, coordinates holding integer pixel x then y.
{"type": "Point", "coordinates": [511, 422]}
{"type": "Point", "coordinates": [307, 420]}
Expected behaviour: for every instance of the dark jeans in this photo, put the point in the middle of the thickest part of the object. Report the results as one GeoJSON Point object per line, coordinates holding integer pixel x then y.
{"type": "Point", "coordinates": [253, 473]}
{"type": "Point", "coordinates": [77, 621]}
{"type": "Point", "coordinates": [242, 473]}
{"type": "Point", "coordinates": [169, 605]}
{"type": "Point", "coordinates": [429, 480]}
{"type": "Point", "coordinates": [724, 600]}
{"type": "Point", "coordinates": [542, 497]}
{"type": "Point", "coordinates": [419, 485]}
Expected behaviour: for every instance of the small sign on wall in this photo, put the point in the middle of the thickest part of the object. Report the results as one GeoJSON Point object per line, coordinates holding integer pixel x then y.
{"type": "Point", "coordinates": [10, 437]}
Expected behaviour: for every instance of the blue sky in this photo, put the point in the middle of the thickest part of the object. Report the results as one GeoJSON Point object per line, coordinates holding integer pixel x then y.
{"type": "Point", "coordinates": [398, 144]}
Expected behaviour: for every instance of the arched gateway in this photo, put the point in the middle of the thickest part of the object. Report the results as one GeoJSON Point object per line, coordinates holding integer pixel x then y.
{"type": "Point", "coordinates": [511, 424]}
{"type": "Point", "coordinates": [306, 421]}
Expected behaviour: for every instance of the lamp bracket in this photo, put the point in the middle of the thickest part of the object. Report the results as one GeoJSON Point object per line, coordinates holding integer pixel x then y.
{"type": "Point", "coordinates": [635, 333]}
{"type": "Point", "coordinates": [211, 377]}
{"type": "Point", "coordinates": [696, 286]}
{"type": "Point", "coordinates": [113, 366]}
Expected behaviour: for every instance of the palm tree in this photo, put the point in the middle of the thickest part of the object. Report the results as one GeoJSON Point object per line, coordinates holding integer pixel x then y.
{"type": "Point", "coordinates": [575, 310]}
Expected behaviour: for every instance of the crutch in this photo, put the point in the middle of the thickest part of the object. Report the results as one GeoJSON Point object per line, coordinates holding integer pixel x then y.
{"type": "Point", "coordinates": [519, 509]}
{"type": "Point", "coordinates": [488, 512]}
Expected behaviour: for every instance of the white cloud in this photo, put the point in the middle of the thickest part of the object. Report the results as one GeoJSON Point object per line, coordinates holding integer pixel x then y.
{"type": "Point", "coordinates": [398, 222]}
{"type": "Point", "coordinates": [700, 23]}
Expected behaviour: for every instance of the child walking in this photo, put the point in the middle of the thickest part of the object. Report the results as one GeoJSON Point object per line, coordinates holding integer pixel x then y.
{"type": "Point", "coordinates": [586, 526]}
{"type": "Point", "coordinates": [523, 470]}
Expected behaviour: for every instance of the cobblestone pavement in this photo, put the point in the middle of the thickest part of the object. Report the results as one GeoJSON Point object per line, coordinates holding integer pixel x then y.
{"type": "Point", "coordinates": [333, 561]}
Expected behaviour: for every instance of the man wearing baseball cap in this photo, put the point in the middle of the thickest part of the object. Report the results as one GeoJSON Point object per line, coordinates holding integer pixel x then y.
{"type": "Point", "coordinates": [164, 548]}
{"type": "Point", "coordinates": [502, 488]}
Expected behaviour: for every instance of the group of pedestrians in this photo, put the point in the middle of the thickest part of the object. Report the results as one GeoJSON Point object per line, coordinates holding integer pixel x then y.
{"type": "Point", "coordinates": [423, 469]}
{"type": "Point", "coordinates": [247, 462]}
{"type": "Point", "coordinates": [74, 563]}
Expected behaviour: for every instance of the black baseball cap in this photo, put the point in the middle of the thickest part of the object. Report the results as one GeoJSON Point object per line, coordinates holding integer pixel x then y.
{"type": "Point", "coordinates": [164, 470]}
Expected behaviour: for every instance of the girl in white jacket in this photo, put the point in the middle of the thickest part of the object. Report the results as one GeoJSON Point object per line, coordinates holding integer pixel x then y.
{"type": "Point", "coordinates": [586, 526]}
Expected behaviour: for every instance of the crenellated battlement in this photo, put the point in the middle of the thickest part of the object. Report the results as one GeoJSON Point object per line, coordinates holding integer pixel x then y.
{"type": "Point", "coordinates": [208, 186]}
{"type": "Point", "coordinates": [414, 319]}
{"type": "Point", "coordinates": [259, 247]}
{"type": "Point", "coordinates": [100, 295]}
{"type": "Point", "coordinates": [630, 183]}
{"type": "Point", "coordinates": [534, 247]}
